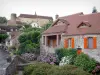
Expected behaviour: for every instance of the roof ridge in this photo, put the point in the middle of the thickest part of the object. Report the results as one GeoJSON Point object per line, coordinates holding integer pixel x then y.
{"type": "Point", "coordinates": [90, 14]}
{"type": "Point", "coordinates": [80, 13]}
{"type": "Point", "coordinates": [35, 15]}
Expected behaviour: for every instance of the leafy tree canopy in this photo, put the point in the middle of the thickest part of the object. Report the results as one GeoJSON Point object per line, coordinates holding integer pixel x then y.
{"type": "Point", "coordinates": [45, 27]}
{"type": "Point", "coordinates": [3, 20]}
{"type": "Point", "coordinates": [3, 37]}
{"type": "Point", "coordinates": [94, 10]}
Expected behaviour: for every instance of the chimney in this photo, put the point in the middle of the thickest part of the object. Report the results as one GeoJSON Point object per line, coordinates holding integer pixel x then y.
{"type": "Point", "coordinates": [56, 16]}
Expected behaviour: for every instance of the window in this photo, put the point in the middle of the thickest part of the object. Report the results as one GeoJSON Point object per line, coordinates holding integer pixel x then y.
{"type": "Point", "coordinates": [69, 42]}
{"type": "Point", "coordinates": [90, 42]}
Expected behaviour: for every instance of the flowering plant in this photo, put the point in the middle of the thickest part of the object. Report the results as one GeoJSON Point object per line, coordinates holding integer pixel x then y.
{"type": "Point", "coordinates": [49, 58]}
{"type": "Point", "coordinates": [65, 60]}
{"type": "Point", "coordinates": [96, 69]}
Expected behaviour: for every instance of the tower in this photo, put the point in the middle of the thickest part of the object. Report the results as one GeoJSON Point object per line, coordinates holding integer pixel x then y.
{"type": "Point", "coordinates": [13, 16]}
{"type": "Point", "coordinates": [56, 16]}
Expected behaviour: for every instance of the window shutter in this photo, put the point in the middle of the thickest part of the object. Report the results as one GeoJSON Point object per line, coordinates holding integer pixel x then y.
{"type": "Point", "coordinates": [65, 43]}
{"type": "Point", "coordinates": [85, 43]}
{"type": "Point", "coordinates": [72, 42]}
{"type": "Point", "coordinates": [94, 42]}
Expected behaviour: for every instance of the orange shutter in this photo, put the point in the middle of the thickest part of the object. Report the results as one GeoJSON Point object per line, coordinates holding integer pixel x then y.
{"type": "Point", "coordinates": [72, 42]}
{"type": "Point", "coordinates": [65, 43]}
{"type": "Point", "coordinates": [94, 42]}
{"type": "Point", "coordinates": [85, 43]}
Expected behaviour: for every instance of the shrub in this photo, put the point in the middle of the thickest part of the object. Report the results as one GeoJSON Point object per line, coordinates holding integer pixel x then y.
{"type": "Point", "coordinates": [83, 61]}
{"type": "Point", "coordinates": [62, 52]}
{"type": "Point", "coordinates": [28, 69]}
{"type": "Point", "coordinates": [96, 70]}
{"type": "Point", "coordinates": [49, 58]}
{"type": "Point", "coordinates": [47, 69]}
{"type": "Point", "coordinates": [42, 69]}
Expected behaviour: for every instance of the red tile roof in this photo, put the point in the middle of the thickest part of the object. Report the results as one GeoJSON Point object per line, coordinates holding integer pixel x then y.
{"type": "Point", "coordinates": [74, 21]}
{"type": "Point", "coordinates": [34, 16]}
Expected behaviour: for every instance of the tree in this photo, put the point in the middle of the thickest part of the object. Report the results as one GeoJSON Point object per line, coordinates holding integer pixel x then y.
{"type": "Point", "coordinates": [3, 20]}
{"type": "Point", "coordinates": [29, 42]}
{"type": "Point", "coordinates": [3, 37]}
{"type": "Point", "coordinates": [94, 10]}
{"type": "Point", "coordinates": [46, 26]}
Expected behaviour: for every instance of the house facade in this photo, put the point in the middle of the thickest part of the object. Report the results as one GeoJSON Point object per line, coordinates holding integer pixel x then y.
{"type": "Point", "coordinates": [13, 34]}
{"type": "Point", "coordinates": [74, 31]}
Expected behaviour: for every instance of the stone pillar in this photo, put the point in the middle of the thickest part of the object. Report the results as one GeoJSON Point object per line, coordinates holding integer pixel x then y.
{"type": "Point", "coordinates": [45, 40]}
{"type": "Point", "coordinates": [42, 41]}
{"type": "Point", "coordinates": [57, 40]}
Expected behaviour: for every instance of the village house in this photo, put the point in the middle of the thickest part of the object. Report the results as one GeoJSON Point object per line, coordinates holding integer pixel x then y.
{"type": "Point", "coordinates": [73, 31]}
{"type": "Point", "coordinates": [13, 33]}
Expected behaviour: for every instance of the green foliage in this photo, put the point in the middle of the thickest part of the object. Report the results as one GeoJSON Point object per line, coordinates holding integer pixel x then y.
{"type": "Point", "coordinates": [29, 41]}
{"type": "Point", "coordinates": [83, 61]}
{"type": "Point", "coordinates": [3, 20]}
{"type": "Point", "coordinates": [31, 37]}
{"type": "Point", "coordinates": [61, 52]}
{"type": "Point", "coordinates": [94, 10]}
{"type": "Point", "coordinates": [3, 37]}
{"type": "Point", "coordinates": [45, 27]}
{"type": "Point", "coordinates": [47, 69]}
{"type": "Point", "coordinates": [31, 29]}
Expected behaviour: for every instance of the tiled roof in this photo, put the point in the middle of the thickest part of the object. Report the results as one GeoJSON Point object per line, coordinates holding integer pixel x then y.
{"type": "Point", "coordinates": [75, 20]}
{"type": "Point", "coordinates": [34, 16]}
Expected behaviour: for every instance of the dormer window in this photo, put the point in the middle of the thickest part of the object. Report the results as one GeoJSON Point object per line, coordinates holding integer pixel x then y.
{"type": "Point", "coordinates": [84, 24]}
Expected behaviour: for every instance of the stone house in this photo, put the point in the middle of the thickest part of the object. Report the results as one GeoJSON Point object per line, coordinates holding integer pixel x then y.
{"type": "Point", "coordinates": [34, 20]}
{"type": "Point", "coordinates": [73, 31]}
{"type": "Point", "coordinates": [13, 32]}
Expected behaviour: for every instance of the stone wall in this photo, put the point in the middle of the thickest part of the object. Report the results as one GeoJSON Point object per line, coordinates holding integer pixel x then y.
{"type": "Point", "coordinates": [79, 41]}
{"type": "Point", "coordinates": [12, 68]}
{"type": "Point", "coordinates": [41, 22]}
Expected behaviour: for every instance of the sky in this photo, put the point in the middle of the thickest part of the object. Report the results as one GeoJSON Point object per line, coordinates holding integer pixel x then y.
{"type": "Point", "coordinates": [47, 7]}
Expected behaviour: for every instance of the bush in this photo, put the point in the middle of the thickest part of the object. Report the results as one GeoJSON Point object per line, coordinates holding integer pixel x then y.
{"type": "Point", "coordinates": [49, 58]}
{"type": "Point", "coordinates": [47, 69]}
{"type": "Point", "coordinates": [83, 61]}
{"type": "Point", "coordinates": [42, 69]}
{"type": "Point", "coordinates": [62, 52]}
{"type": "Point", "coordinates": [28, 70]}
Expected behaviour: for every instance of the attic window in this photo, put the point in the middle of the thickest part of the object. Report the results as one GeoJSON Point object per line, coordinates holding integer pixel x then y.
{"type": "Point", "coordinates": [84, 25]}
